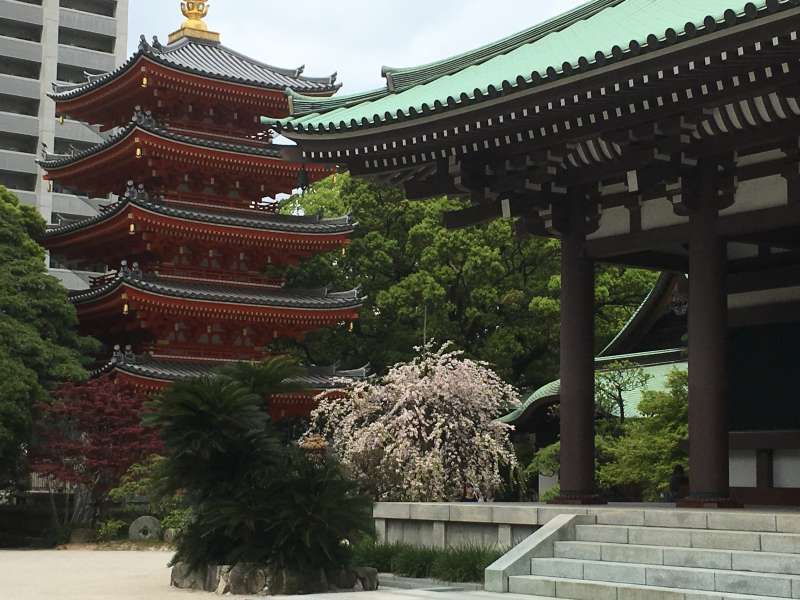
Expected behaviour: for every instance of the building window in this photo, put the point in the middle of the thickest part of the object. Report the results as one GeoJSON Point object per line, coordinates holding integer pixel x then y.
{"type": "Point", "coordinates": [19, 68]}
{"type": "Point", "coordinates": [21, 30]}
{"type": "Point", "coordinates": [18, 181]}
{"type": "Point", "coordinates": [85, 39]}
{"type": "Point", "coordinates": [13, 142]}
{"type": "Point", "coordinates": [19, 105]}
{"type": "Point", "coordinates": [97, 7]}
{"type": "Point", "coordinates": [70, 74]}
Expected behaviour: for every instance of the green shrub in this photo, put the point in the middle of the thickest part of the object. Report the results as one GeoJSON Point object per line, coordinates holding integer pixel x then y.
{"type": "Point", "coordinates": [178, 519]}
{"type": "Point", "coordinates": [465, 564]}
{"type": "Point", "coordinates": [369, 553]}
{"type": "Point", "coordinates": [551, 494]}
{"type": "Point", "coordinates": [413, 562]}
{"type": "Point", "coordinates": [110, 530]}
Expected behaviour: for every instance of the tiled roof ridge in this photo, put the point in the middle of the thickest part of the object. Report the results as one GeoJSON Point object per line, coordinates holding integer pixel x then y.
{"type": "Point", "coordinates": [399, 79]}
{"type": "Point", "coordinates": [161, 54]}
{"type": "Point", "coordinates": [287, 223]}
{"type": "Point", "coordinates": [457, 90]}
{"type": "Point", "coordinates": [176, 369]}
{"type": "Point", "coordinates": [226, 293]}
{"type": "Point", "coordinates": [146, 123]}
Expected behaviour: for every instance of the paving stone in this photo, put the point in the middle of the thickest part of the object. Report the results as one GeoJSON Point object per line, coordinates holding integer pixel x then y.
{"type": "Point", "coordinates": [780, 542]}
{"type": "Point", "coordinates": [631, 593]}
{"type": "Point", "coordinates": [624, 553]}
{"type": "Point", "coordinates": [676, 519]}
{"type": "Point", "coordinates": [471, 513]}
{"type": "Point", "coordinates": [614, 572]}
{"type": "Point", "coordinates": [602, 533]}
{"type": "Point", "coordinates": [429, 512]}
{"type": "Point", "coordinates": [557, 567]}
{"type": "Point", "coordinates": [742, 521]}
{"type": "Point", "coordinates": [726, 540]}
{"type": "Point", "coordinates": [766, 562]}
{"type": "Point", "coordinates": [392, 510]}
{"type": "Point", "coordinates": [698, 558]}
{"type": "Point", "coordinates": [620, 517]}
{"type": "Point", "coordinates": [533, 586]}
{"type": "Point", "coordinates": [548, 513]}
{"type": "Point", "coordinates": [578, 550]}
{"type": "Point", "coordinates": [655, 536]}
{"type": "Point", "coordinates": [585, 590]}
{"type": "Point", "coordinates": [690, 579]}
{"type": "Point", "coordinates": [762, 585]}
{"type": "Point", "coordinates": [788, 523]}
{"type": "Point", "coordinates": [515, 515]}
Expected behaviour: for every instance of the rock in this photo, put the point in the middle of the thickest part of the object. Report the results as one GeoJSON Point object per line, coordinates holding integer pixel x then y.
{"type": "Point", "coordinates": [368, 578]}
{"type": "Point", "coordinates": [170, 535]}
{"type": "Point", "coordinates": [145, 529]}
{"type": "Point", "coordinates": [343, 579]}
{"type": "Point", "coordinates": [223, 578]}
{"type": "Point", "coordinates": [247, 579]}
{"type": "Point", "coordinates": [184, 578]}
{"type": "Point", "coordinates": [81, 536]}
{"type": "Point", "coordinates": [290, 582]}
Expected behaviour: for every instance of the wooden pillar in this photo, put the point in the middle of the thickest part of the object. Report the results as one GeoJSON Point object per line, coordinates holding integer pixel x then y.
{"type": "Point", "coordinates": [577, 361]}
{"type": "Point", "coordinates": [708, 310]}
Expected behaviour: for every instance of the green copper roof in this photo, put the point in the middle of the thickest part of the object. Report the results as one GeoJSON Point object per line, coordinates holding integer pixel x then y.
{"type": "Point", "coordinates": [595, 33]}
{"type": "Point", "coordinates": [658, 382]}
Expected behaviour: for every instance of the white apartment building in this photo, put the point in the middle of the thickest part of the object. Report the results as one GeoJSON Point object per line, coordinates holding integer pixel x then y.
{"type": "Point", "coordinates": [41, 42]}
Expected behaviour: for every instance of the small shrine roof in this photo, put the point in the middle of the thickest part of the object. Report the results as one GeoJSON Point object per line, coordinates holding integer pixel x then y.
{"type": "Point", "coordinates": [147, 123]}
{"type": "Point", "coordinates": [266, 221]}
{"type": "Point", "coordinates": [225, 293]}
{"type": "Point", "coordinates": [206, 59]}
{"type": "Point", "coordinates": [314, 378]}
{"type": "Point", "coordinates": [596, 33]}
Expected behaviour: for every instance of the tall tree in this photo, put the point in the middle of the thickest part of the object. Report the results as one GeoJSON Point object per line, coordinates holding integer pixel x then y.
{"type": "Point", "coordinates": [492, 294]}
{"type": "Point", "coordinates": [39, 344]}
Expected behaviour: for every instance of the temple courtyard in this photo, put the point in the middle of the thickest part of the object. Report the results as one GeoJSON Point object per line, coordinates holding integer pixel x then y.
{"type": "Point", "coordinates": [97, 575]}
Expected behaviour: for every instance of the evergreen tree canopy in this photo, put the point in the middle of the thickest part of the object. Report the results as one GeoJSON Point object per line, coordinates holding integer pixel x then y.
{"type": "Point", "coordinates": [492, 294]}
{"type": "Point", "coordinates": [39, 345]}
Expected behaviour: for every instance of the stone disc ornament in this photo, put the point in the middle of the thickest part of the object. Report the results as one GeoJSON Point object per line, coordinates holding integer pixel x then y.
{"type": "Point", "coordinates": [145, 529]}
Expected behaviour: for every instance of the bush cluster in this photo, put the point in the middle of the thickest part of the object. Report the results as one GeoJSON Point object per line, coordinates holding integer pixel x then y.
{"type": "Point", "coordinates": [465, 564]}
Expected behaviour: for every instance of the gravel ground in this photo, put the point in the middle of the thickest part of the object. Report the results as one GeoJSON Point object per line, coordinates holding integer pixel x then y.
{"type": "Point", "coordinates": [100, 575]}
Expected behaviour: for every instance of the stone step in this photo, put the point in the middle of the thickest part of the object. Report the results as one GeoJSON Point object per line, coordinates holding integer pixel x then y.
{"type": "Point", "coordinates": [731, 560]}
{"type": "Point", "coordinates": [709, 580]}
{"type": "Point", "coordinates": [783, 543]}
{"type": "Point", "coordinates": [571, 589]}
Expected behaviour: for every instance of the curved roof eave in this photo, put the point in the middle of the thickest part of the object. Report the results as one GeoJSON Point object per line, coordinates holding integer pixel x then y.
{"type": "Point", "coordinates": [651, 25]}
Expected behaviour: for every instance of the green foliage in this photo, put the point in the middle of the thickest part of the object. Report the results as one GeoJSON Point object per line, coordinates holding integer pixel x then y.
{"type": "Point", "coordinates": [545, 462]}
{"type": "Point", "coordinates": [643, 451]}
{"type": "Point", "coordinates": [551, 494]}
{"type": "Point", "coordinates": [650, 448]}
{"type": "Point", "coordinates": [252, 499]}
{"type": "Point", "coordinates": [614, 382]}
{"type": "Point", "coordinates": [495, 296]}
{"type": "Point", "coordinates": [39, 345]}
{"type": "Point", "coordinates": [178, 519]}
{"type": "Point", "coordinates": [413, 562]}
{"type": "Point", "coordinates": [110, 530]}
{"type": "Point", "coordinates": [460, 564]}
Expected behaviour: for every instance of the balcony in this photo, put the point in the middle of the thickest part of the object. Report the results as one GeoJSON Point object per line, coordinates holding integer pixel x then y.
{"type": "Point", "coordinates": [85, 21]}
{"type": "Point", "coordinates": [19, 86]}
{"type": "Point", "coordinates": [91, 60]}
{"type": "Point", "coordinates": [21, 49]}
{"type": "Point", "coordinates": [21, 11]}
{"type": "Point", "coordinates": [18, 124]}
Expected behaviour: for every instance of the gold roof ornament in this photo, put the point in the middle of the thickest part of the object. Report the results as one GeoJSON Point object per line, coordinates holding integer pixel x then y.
{"type": "Point", "coordinates": [194, 27]}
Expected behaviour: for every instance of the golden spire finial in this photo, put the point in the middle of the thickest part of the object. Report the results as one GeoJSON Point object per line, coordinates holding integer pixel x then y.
{"type": "Point", "coordinates": [194, 26]}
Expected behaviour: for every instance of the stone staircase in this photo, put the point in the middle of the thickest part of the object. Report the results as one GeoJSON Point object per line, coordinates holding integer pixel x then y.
{"type": "Point", "coordinates": [743, 558]}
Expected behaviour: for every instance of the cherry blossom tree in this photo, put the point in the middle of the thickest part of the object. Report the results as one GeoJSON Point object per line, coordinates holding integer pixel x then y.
{"type": "Point", "coordinates": [426, 431]}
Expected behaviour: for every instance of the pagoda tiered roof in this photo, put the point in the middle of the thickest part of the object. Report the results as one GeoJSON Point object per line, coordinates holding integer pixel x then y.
{"type": "Point", "coordinates": [167, 371]}
{"type": "Point", "coordinates": [111, 229]}
{"type": "Point", "coordinates": [194, 68]}
{"type": "Point", "coordinates": [133, 148]}
{"type": "Point", "coordinates": [240, 297]}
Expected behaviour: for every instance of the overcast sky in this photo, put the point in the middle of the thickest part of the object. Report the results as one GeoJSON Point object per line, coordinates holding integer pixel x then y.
{"type": "Point", "coordinates": [353, 37]}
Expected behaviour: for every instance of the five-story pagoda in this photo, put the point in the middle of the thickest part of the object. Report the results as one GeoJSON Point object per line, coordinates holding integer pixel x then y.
{"type": "Point", "coordinates": [197, 257]}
